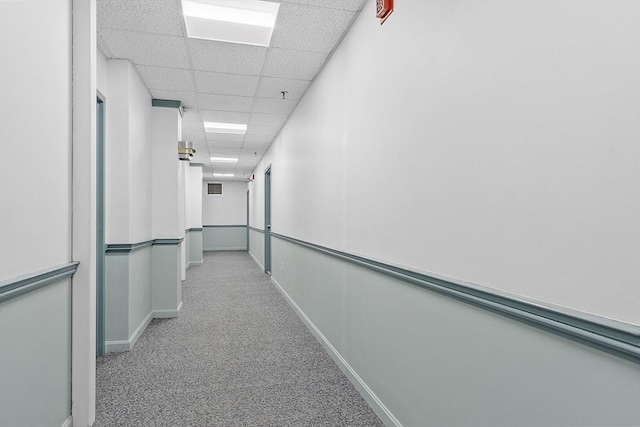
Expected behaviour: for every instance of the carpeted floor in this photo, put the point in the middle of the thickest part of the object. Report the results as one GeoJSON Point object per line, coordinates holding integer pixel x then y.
{"type": "Point", "coordinates": [238, 355]}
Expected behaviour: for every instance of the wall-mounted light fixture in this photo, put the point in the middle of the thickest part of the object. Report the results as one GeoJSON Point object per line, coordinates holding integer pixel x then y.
{"type": "Point", "coordinates": [185, 150]}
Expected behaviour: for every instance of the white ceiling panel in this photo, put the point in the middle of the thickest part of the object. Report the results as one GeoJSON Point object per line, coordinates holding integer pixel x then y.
{"type": "Point", "coordinates": [188, 99]}
{"type": "Point", "coordinates": [258, 139]}
{"type": "Point", "coordinates": [225, 117]}
{"type": "Point", "coordinates": [274, 106]}
{"type": "Point", "coordinates": [220, 57]}
{"type": "Point", "coordinates": [258, 148]}
{"type": "Point", "coordinates": [147, 49]}
{"type": "Point", "coordinates": [225, 102]}
{"type": "Point", "coordinates": [166, 78]}
{"type": "Point", "coordinates": [353, 5]}
{"type": "Point", "coordinates": [226, 144]}
{"type": "Point", "coordinates": [150, 16]}
{"type": "Point", "coordinates": [226, 84]}
{"type": "Point", "coordinates": [215, 137]}
{"type": "Point", "coordinates": [268, 119]}
{"type": "Point", "coordinates": [271, 87]}
{"type": "Point", "coordinates": [293, 64]}
{"type": "Point", "coordinates": [308, 28]}
{"type": "Point", "coordinates": [262, 130]}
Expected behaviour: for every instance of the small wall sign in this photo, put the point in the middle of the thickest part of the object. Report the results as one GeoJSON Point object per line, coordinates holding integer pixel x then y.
{"type": "Point", "coordinates": [384, 8]}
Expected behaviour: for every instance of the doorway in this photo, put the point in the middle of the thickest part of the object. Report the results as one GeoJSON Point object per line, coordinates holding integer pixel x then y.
{"type": "Point", "coordinates": [100, 235]}
{"type": "Point", "coordinates": [267, 221]}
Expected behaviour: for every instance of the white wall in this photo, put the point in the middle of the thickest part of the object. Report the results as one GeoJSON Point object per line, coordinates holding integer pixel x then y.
{"type": "Point", "coordinates": [36, 209]}
{"type": "Point", "coordinates": [165, 135]}
{"type": "Point", "coordinates": [140, 185]}
{"type": "Point", "coordinates": [117, 159]}
{"type": "Point", "coordinates": [489, 142]}
{"type": "Point", "coordinates": [230, 208]}
{"type": "Point", "coordinates": [194, 197]}
{"type": "Point", "coordinates": [35, 136]}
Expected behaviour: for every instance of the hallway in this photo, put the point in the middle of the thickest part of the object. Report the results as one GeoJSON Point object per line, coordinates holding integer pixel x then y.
{"type": "Point", "coordinates": [237, 355]}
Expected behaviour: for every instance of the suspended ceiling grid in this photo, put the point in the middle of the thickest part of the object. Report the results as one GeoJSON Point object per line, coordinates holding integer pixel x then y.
{"type": "Point", "coordinates": [225, 82]}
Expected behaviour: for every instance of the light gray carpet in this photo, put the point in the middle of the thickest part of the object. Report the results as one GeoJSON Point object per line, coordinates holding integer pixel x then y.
{"type": "Point", "coordinates": [238, 355]}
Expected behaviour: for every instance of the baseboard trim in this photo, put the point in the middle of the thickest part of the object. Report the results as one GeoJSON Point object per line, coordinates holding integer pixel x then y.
{"type": "Point", "coordinates": [256, 260]}
{"type": "Point", "coordinates": [194, 263]}
{"type": "Point", "coordinates": [165, 314]}
{"type": "Point", "coordinates": [127, 345]}
{"type": "Point", "coordinates": [374, 402]}
{"type": "Point", "coordinates": [224, 249]}
{"type": "Point", "coordinates": [68, 422]}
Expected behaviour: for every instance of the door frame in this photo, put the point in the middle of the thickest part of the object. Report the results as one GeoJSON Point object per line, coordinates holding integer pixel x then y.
{"type": "Point", "coordinates": [100, 223]}
{"type": "Point", "coordinates": [267, 220]}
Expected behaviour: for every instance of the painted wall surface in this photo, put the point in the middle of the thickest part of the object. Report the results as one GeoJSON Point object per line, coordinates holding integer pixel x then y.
{"type": "Point", "coordinates": [165, 186]}
{"type": "Point", "coordinates": [436, 143]}
{"type": "Point", "coordinates": [35, 208]}
{"type": "Point", "coordinates": [224, 238]}
{"type": "Point", "coordinates": [435, 361]}
{"type": "Point", "coordinates": [140, 272]}
{"type": "Point", "coordinates": [194, 197]}
{"type": "Point", "coordinates": [35, 357]}
{"type": "Point", "coordinates": [193, 243]}
{"type": "Point", "coordinates": [117, 171]}
{"type": "Point", "coordinates": [256, 246]}
{"type": "Point", "coordinates": [230, 208]}
{"type": "Point", "coordinates": [518, 155]}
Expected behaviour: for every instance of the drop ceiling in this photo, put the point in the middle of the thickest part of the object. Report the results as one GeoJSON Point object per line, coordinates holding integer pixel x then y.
{"type": "Point", "coordinates": [225, 82]}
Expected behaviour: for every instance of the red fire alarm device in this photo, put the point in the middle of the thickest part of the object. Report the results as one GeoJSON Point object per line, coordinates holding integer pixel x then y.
{"type": "Point", "coordinates": [384, 8]}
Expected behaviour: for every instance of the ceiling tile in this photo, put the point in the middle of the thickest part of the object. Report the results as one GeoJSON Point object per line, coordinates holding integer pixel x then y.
{"type": "Point", "coordinates": [293, 64]}
{"type": "Point", "coordinates": [226, 144]}
{"type": "Point", "coordinates": [147, 49]}
{"type": "Point", "coordinates": [166, 78]}
{"type": "Point", "coordinates": [150, 16]}
{"type": "Point", "coordinates": [257, 139]}
{"type": "Point", "coordinates": [213, 136]}
{"type": "Point", "coordinates": [268, 119]}
{"type": "Point", "coordinates": [271, 87]}
{"type": "Point", "coordinates": [262, 130]}
{"type": "Point", "coordinates": [309, 28]}
{"type": "Point", "coordinates": [220, 57]}
{"type": "Point", "coordinates": [353, 5]}
{"type": "Point", "coordinates": [188, 99]}
{"type": "Point", "coordinates": [225, 116]}
{"type": "Point", "coordinates": [226, 84]}
{"type": "Point", "coordinates": [225, 102]}
{"type": "Point", "coordinates": [256, 148]}
{"type": "Point", "coordinates": [274, 106]}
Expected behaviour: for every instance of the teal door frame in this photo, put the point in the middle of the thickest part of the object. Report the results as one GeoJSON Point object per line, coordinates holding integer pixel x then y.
{"type": "Point", "coordinates": [247, 220]}
{"type": "Point", "coordinates": [267, 221]}
{"type": "Point", "coordinates": [100, 219]}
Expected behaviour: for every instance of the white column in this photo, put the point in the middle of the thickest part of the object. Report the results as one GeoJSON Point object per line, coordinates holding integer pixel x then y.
{"type": "Point", "coordinates": [83, 378]}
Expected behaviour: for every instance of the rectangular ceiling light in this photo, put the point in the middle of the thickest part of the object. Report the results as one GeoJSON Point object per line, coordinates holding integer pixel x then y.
{"type": "Point", "coordinates": [223, 175]}
{"type": "Point", "coordinates": [233, 128]}
{"type": "Point", "coordinates": [224, 160]}
{"type": "Point", "coordinates": [233, 21]}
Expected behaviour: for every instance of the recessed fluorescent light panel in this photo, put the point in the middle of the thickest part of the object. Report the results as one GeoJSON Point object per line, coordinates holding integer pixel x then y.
{"type": "Point", "coordinates": [224, 160]}
{"type": "Point", "coordinates": [223, 175]}
{"type": "Point", "coordinates": [233, 21]}
{"type": "Point", "coordinates": [233, 128]}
